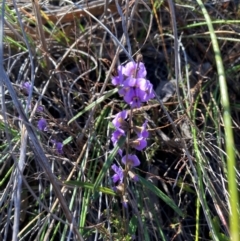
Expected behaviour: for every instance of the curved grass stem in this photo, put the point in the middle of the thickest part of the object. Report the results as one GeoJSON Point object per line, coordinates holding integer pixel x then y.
{"type": "Point", "coordinates": [231, 162]}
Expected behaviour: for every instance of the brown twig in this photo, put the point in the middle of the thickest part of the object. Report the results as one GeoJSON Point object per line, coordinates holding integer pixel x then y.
{"type": "Point", "coordinates": [41, 34]}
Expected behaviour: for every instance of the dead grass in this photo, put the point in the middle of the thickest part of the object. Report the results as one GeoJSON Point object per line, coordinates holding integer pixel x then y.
{"type": "Point", "coordinates": [70, 56]}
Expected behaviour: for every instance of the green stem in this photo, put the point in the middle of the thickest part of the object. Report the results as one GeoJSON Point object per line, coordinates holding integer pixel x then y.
{"type": "Point", "coordinates": [231, 163]}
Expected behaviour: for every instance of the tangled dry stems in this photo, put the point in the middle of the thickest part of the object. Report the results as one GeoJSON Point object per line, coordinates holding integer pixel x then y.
{"type": "Point", "coordinates": [69, 63]}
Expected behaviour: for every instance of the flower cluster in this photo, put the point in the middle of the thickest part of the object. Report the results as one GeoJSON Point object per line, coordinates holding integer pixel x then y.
{"type": "Point", "coordinates": [134, 87]}
{"type": "Point", "coordinates": [42, 123]}
{"type": "Point", "coordinates": [42, 126]}
{"type": "Point", "coordinates": [135, 90]}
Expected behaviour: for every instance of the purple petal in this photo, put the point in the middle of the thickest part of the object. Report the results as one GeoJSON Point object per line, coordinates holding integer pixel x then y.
{"type": "Point", "coordinates": [142, 84]}
{"type": "Point", "coordinates": [123, 91]}
{"type": "Point", "coordinates": [129, 95]}
{"type": "Point", "coordinates": [141, 71]}
{"type": "Point", "coordinates": [132, 160]}
{"type": "Point", "coordinates": [119, 118]}
{"type": "Point", "coordinates": [130, 82]}
{"type": "Point", "coordinates": [136, 102]}
{"type": "Point", "coordinates": [120, 152]}
{"type": "Point", "coordinates": [40, 108]}
{"type": "Point", "coordinates": [42, 124]}
{"type": "Point", "coordinates": [133, 98]}
{"type": "Point", "coordinates": [135, 178]}
{"type": "Point", "coordinates": [27, 86]}
{"type": "Point", "coordinates": [135, 70]}
{"type": "Point", "coordinates": [139, 144]}
{"type": "Point", "coordinates": [125, 205]}
{"type": "Point", "coordinates": [118, 176]}
{"type": "Point", "coordinates": [115, 178]}
{"type": "Point", "coordinates": [115, 168]}
{"type": "Point", "coordinates": [116, 135]}
{"type": "Point", "coordinates": [149, 91]}
{"type": "Point", "coordinates": [59, 147]}
{"type": "Point", "coordinates": [140, 94]}
{"type": "Point", "coordinates": [118, 80]}
{"type": "Point", "coordinates": [142, 131]}
{"type": "Point", "coordinates": [129, 69]}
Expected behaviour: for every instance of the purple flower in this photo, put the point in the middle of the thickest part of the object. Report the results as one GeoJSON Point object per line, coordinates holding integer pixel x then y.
{"type": "Point", "coordinates": [135, 88]}
{"type": "Point", "coordinates": [142, 131]}
{"type": "Point", "coordinates": [118, 176]}
{"type": "Point", "coordinates": [134, 97]}
{"type": "Point", "coordinates": [118, 80]}
{"type": "Point", "coordinates": [123, 91]}
{"type": "Point", "coordinates": [124, 201]}
{"type": "Point", "coordinates": [120, 152]}
{"type": "Point", "coordinates": [27, 86]}
{"type": "Point", "coordinates": [143, 84]}
{"type": "Point", "coordinates": [136, 82]}
{"type": "Point", "coordinates": [116, 135]}
{"type": "Point", "coordinates": [149, 91]}
{"type": "Point", "coordinates": [140, 89]}
{"type": "Point", "coordinates": [40, 108]}
{"type": "Point", "coordinates": [119, 118]}
{"type": "Point", "coordinates": [133, 176]}
{"type": "Point", "coordinates": [135, 70]}
{"type": "Point", "coordinates": [125, 204]}
{"type": "Point", "coordinates": [131, 160]}
{"type": "Point", "coordinates": [42, 124]}
{"type": "Point", "coordinates": [58, 146]}
{"type": "Point", "coordinates": [139, 143]}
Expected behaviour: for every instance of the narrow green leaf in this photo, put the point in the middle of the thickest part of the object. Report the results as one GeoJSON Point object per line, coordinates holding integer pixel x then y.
{"type": "Point", "coordinates": [98, 101]}
{"type": "Point", "coordinates": [133, 224]}
{"type": "Point", "coordinates": [109, 161]}
{"type": "Point", "coordinates": [90, 186]}
{"type": "Point", "coordinates": [160, 194]}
